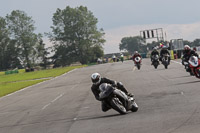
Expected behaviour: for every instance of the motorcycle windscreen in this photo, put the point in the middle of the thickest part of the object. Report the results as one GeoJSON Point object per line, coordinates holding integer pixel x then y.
{"type": "Point", "coordinates": [106, 90]}
{"type": "Point", "coordinates": [194, 61]}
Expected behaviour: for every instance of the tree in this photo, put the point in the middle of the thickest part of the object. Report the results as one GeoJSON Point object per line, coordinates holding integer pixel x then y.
{"type": "Point", "coordinates": [43, 54]}
{"type": "Point", "coordinates": [74, 33]}
{"type": "Point", "coordinates": [8, 58]}
{"type": "Point", "coordinates": [4, 41]}
{"type": "Point", "coordinates": [152, 45]}
{"type": "Point", "coordinates": [21, 28]}
{"type": "Point", "coordinates": [196, 42]}
{"type": "Point", "coordinates": [132, 44]}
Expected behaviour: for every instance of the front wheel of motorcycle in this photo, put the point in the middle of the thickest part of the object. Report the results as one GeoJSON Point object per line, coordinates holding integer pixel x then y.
{"type": "Point", "coordinates": [197, 73]}
{"type": "Point", "coordinates": [156, 65]}
{"type": "Point", "coordinates": [166, 66]}
{"type": "Point", "coordinates": [138, 66]}
{"type": "Point", "coordinates": [117, 105]}
{"type": "Point", "coordinates": [134, 107]}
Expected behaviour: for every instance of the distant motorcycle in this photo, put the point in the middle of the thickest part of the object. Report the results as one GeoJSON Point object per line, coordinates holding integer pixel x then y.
{"type": "Point", "coordinates": [165, 60]}
{"type": "Point", "coordinates": [137, 62]}
{"type": "Point", "coordinates": [194, 64]}
{"type": "Point", "coordinates": [117, 99]}
{"type": "Point", "coordinates": [155, 61]}
{"type": "Point", "coordinates": [122, 59]}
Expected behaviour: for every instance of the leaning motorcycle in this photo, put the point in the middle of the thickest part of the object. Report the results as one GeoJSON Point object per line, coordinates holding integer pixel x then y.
{"type": "Point", "coordinates": [194, 64]}
{"type": "Point", "coordinates": [116, 99]}
{"type": "Point", "coordinates": [137, 62]}
{"type": "Point", "coordinates": [187, 66]}
{"type": "Point", "coordinates": [165, 60]}
{"type": "Point", "coordinates": [155, 61]}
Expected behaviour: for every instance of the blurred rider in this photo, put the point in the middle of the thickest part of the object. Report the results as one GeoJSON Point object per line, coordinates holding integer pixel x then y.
{"type": "Point", "coordinates": [154, 52]}
{"type": "Point", "coordinates": [164, 51]}
{"type": "Point", "coordinates": [188, 52]}
{"type": "Point", "coordinates": [114, 58]}
{"type": "Point", "coordinates": [122, 57]}
{"type": "Point", "coordinates": [136, 54]}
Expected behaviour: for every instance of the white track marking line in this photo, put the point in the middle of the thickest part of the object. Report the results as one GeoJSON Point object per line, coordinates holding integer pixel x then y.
{"type": "Point", "coordinates": [52, 101]}
{"type": "Point", "coordinates": [46, 106]}
{"type": "Point", "coordinates": [176, 62]}
{"type": "Point", "coordinates": [58, 97]}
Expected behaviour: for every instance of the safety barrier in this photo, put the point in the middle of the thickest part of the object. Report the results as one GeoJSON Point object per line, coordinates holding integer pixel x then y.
{"type": "Point", "coordinates": [11, 72]}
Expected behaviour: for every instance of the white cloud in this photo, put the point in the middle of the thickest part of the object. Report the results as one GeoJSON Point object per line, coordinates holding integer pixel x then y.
{"type": "Point", "coordinates": [173, 31]}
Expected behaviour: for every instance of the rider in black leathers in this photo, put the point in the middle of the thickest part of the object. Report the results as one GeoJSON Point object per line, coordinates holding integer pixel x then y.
{"type": "Point", "coordinates": [163, 52]}
{"type": "Point", "coordinates": [188, 52]}
{"type": "Point", "coordinates": [153, 53]}
{"type": "Point", "coordinates": [97, 81]}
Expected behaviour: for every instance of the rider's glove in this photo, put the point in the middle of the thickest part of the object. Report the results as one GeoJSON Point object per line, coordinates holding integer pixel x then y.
{"type": "Point", "coordinates": [130, 95]}
{"type": "Point", "coordinates": [115, 84]}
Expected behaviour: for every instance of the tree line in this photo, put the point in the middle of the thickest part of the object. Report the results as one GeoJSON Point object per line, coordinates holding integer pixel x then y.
{"type": "Point", "coordinates": [74, 34]}
{"type": "Point", "coordinates": [137, 43]}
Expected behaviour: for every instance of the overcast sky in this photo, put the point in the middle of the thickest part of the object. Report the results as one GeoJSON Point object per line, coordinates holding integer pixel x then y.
{"type": "Point", "coordinates": [119, 18]}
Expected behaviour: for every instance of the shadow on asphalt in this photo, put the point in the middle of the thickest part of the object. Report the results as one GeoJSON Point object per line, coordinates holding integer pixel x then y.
{"type": "Point", "coordinates": [97, 117]}
{"type": "Point", "coordinates": [191, 82]}
{"type": "Point", "coordinates": [68, 120]}
{"type": "Point", "coordinates": [181, 77]}
{"type": "Point", "coordinates": [100, 117]}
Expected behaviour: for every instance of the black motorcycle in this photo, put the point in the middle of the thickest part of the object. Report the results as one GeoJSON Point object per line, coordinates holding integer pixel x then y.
{"type": "Point", "coordinates": [117, 99]}
{"type": "Point", "coordinates": [155, 61]}
{"type": "Point", "coordinates": [165, 60]}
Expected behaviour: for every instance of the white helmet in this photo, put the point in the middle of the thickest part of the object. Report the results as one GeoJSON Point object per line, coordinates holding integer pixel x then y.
{"type": "Point", "coordinates": [96, 78]}
{"type": "Point", "coordinates": [187, 47]}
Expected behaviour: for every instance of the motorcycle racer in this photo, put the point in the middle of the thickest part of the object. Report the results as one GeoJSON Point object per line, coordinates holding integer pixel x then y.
{"type": "Point", "coordinates": [97, 80]}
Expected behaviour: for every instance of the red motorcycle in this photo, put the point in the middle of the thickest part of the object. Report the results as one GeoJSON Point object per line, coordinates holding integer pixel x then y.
{"type": "Point", "coordinates": [195, 65]}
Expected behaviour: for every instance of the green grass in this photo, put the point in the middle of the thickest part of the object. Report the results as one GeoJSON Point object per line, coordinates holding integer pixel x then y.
{"type": "Point", "coordinates": [7, 88]}
{"type": "Point", "coordinates": [21, 76]}
{"type": "Point", "coordinates": [13, 82]}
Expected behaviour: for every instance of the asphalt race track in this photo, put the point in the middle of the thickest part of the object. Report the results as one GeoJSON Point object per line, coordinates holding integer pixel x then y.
{"type": "Point", "coordinates": [168, 99]}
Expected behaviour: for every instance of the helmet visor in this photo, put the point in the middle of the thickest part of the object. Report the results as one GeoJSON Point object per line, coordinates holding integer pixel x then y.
{"type": "Point", "coordinates": [95, 80]}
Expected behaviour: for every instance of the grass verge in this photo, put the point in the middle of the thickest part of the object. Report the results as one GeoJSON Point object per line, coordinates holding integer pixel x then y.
{"type": "Point", "coordinates": [14, 82]}
{"type": "Point", "coordinates": [7, 88]}
{"type": "Point", "coordinates": [21, 76]}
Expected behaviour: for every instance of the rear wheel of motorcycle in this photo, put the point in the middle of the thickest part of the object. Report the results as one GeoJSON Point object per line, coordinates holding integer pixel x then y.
{"type": "Point", "coordinates": [117, 105]}
{"type": "Point", "coordinates": [134, 107]}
